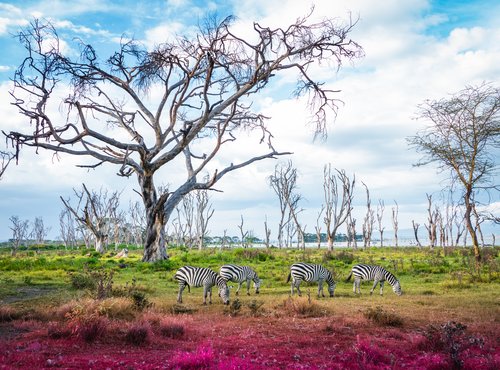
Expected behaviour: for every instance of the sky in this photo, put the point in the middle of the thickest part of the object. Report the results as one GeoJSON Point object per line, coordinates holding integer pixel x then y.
{"type": "Point", "coordinates": [414, 50]}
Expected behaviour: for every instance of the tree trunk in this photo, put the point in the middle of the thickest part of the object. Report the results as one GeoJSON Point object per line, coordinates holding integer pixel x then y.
{"type": "Point", "coordinates": [154, 247]}
{"type": "Point", "coordinates": [100, 241]}
{"type": "Point", "coordinates": [470, 227]}
{"type": "Point", "coordinates": [330, 242]}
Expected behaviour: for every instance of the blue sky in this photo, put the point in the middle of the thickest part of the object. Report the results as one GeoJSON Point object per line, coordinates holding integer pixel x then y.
{"type": "Point", "coordinates": [415, 50]}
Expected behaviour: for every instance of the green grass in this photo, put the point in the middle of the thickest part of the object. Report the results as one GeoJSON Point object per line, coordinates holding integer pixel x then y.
{"type": "Point", "coordinates": [430, 279]}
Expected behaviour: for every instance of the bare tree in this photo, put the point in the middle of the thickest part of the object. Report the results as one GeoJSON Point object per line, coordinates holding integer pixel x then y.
{"type": "Point", "coordinates": [463, 134]}
{"type": "Point", "coordinates": [380, 218]}
{"type": "Point", "coordinates": [369, 220]}
{"type": "Point", "coordinates": [137, 221]}
{"type": "Point", "coordinates": [39, 231]}
{"type": "Point", "coordinates": [282, 181]}
{"type": "Point", "coordinates": [67, 228]}
{"type": "Point", "coordinates": [93, 212]}
{"type": "Point", "coordinates": [6, 158]}
{"type": "Point", "coordinates": [243, 233]}
{"type": "Point", "coordinates": [267, 234]}
{"type": "Point", "coordinates": [338, 192]}
{"type": "Point", "coordinates": [416, 225]}
{"type": "Point", "coordinates": [208, 82]}
{"type": "Point", "coordinates": [351, 232]}
{"type": "Point", "coordinates": [395, 223]}
{"type": "Point", "coordinates": [204, 213]}
{"type": "Point", "coordinates": [432, 219]}
{"type": "Point", "coordinates": [20, 232]}
{"type": "Point", "coordinates": [188, 218]}
{"type": "Point", "coordinates": [317, 228]}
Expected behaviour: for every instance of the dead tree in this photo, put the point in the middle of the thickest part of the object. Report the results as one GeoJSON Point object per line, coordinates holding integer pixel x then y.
{"type": "Point", "coordinates": [415, 232]}
{"type": "Point", "coordinates": [431, 226]}
{"type": "Point", "coordinates": [20, 232]}
{"type": "Point", "coordinates": [137, 220]}
{"type": "Point", "coordinates": [207, 82]}
{"type": "Point", "coordinates": [338, 192]}
{"type": "Point", "coordinates": [318, 226]}
{"type": "Point", "coordinates": [395, 223]}
{"type": "Point", "coordinates": [93, 212]}
{"type": "Point", "coordinates": [67, 229]}
{"type": "Point", "coordinates": [380, 217]}
{"type": "Point", "coordinates": [243, 233]}
{"type": "Point", "coordinates": [39, 231]}
{"type": "Point", "coordinates": [188, 219]}
{"type": "Point", "coordinates": [204, 213]}
{"type": "Point", "coordinates": [369, 220]}
{"type": "Point", "coordinates": [6, 158]}
{"type": "Point", "coordinates": [267, 233]}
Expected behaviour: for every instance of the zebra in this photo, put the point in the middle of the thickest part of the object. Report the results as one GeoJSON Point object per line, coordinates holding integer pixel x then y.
{"type": "Point", "coordinates": [201, 276]}
{"type": "Point", "coordinates": [376, 273]}
{"type": "Point", "coordinates": [240, 274]}
{"type": "Point", "coordinates": [311, 272]}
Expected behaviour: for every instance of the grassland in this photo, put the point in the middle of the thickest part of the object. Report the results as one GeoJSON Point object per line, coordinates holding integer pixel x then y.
{"type": "Point", "coordinates": [60, 291]}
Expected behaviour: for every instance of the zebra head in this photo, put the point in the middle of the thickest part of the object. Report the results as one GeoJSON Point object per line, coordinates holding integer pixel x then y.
{"type": "Point", "coordinates": [256, 284]}
{"type": "Point", "coordinates": [397, 288]}
{"type": "Point", "coordinates": [223, 290]}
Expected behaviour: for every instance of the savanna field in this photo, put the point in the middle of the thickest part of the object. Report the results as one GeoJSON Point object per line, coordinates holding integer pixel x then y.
{"type": "Point", "coordinates": [74, 309]}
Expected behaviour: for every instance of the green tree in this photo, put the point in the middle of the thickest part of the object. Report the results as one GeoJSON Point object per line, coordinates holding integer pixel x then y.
{"type": "Point", "coordinates": [463, 137]}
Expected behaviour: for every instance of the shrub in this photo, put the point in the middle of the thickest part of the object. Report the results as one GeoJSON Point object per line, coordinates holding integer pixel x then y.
{"type": "Point", "coordinates": [383, 318]}
{"type": "Point", "coordinates": [254, 307]}
{"type": "Point", "coordinates": [234, 308]}
{"type": "Point", "coordinates": [138, 333]}
{"type": "Point", "coordinates": [91, 328]}
{"type": "Point", "coordinates": [81, 281]}
{"type": "Point", "coordinates": [171, 330]}
{"type": "Point", "coordinates": [303, 307]}
{"type": "Point", "coordinates": [8, 313]}
{"type": "Point", "coordinates": [180, 309]}
{"type": "Point", "coordinates": [202, 358]}
{"type": "Point", "coordinates": [56, 330]}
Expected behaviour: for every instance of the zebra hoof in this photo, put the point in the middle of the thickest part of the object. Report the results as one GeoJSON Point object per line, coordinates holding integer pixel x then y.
{"type": "Point", "coordinates": [248, 293]}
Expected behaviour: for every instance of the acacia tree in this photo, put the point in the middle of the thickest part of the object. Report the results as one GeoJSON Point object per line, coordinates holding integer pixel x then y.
{"type": "Point", "coordinates": [463, 138]}
{"type": "Point", "coordinates": [369, 219]}
{"type": "Point", "coordinates": [206, 84]}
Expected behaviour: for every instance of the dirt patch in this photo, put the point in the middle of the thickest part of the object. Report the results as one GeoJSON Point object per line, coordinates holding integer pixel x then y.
{"type": "Point", "coordinates": [26, 293]}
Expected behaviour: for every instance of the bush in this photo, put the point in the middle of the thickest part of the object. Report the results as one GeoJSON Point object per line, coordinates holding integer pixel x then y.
{"type": "Point", "coordinates": [383, 318]}
{"type": "Point", "coordinates": [303, 307]}
{"type": "Point", "coordinates": [234, 308]}
{"type": "Point", "coordinates": [174, 331]}
{"type": "Point", "coordinates": [138, 334]}
{"type": "Point", "coordinates": [203, 358]}
{"type": "Point", "coordinates": [57, 331]}
{"type": "Point", "coordinates": [91, 328]}
{"type": "Point", "coordinates": [254, 307]}
{"type": "Point", "coordinates": [81, 281]}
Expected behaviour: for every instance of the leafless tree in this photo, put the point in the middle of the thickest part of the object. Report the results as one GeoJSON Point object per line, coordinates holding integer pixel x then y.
{"type": "Point", "coordinates": [187, 212]}
{"type": "Point", "coordinates": [432, 219]}
{"type": "Point", "coordinates": [208, 83]}
{"type": "Point", "coordinates": [267, 234]}
{"type": "Point", "coordinates": [283, 182]}
{"type": "Point", "coordinates": [351, 232]}
{"type": "Point", "coordinates": [20, 232]}
{"type": "Point", "coordinates": [338, 191]}
{"type": "Point", "coordinates": [6, 158]}
{"type": "Point", "coordinates": [243, 233]}
{"type": "Point", "coordinates": [416, 225]}
{"type": "Point", "coordinates": [395, 223]}
{"type": "Point", "coordinates": [380, 218]}
{"type": "Point", "coordinates": [369, 220]}
{"type": "Point", "coordinates": [463, 138]}
{"type": "Point", "coordinates": [67, 228]}
{"type": "Point", "coordinates": [93, 212]}
{"type": "Point", "coordinates": [317, 228]}
{"type": "Point", "coordinates": [39, 231]}
{"type": "Point", "coordinates": [204, 213]}
{"type": "Point", "coordinates": [137, 221]}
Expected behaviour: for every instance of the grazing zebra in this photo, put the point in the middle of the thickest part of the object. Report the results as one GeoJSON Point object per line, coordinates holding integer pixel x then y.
{"type": "Point", "coordinates": [310, 272]}
{"type": "Point", "coordinates": [376, 273]}
{"type": "Point", "coordinates": [240, 274]}
{"type": "Point", "coordinates": [200, 276]}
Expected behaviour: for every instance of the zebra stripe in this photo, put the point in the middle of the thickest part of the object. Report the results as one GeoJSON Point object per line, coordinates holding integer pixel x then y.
{"type": "Point", "coordinates": [200, 276]}
{"type": "Point", "coordinates": [311, 273]}
{"type": "Point", "coordinates": [240, 274]}
{"type": "Point", "coordinates": [376, 273]}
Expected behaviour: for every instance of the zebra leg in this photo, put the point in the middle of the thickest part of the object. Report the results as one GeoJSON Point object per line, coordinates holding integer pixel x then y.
{"type": "Point", "coordinates": [381, 288]}
{"type": "Point", "coordinates": [298, 288]}
{"type": "Point", "coordinates": [293, 286]}
{"type": "Point", "coordinates": [357, 282]}
{"type": "Point", "coordinates": [374, 285]}
{"type": "Point", "coordinates": [210, 295]}
{"type": "Point", "coordinates": [248, 286]}
{"type": "Point", "coordinates": [320, 288]}
{"type": "Point", "coordinates": [179, 296]}
{"type": "Point", "coordinates": [238, 290]}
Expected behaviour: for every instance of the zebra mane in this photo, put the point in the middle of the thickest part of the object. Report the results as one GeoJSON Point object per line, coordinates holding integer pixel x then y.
{"type": "Point", "coordinates": [390, 277]}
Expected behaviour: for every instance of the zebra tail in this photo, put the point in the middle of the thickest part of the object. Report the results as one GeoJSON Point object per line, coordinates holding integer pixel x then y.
{"type": "Point", "coordinates": [289, 276]}
{"type": "Point", "coordinates": [349, 277]}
